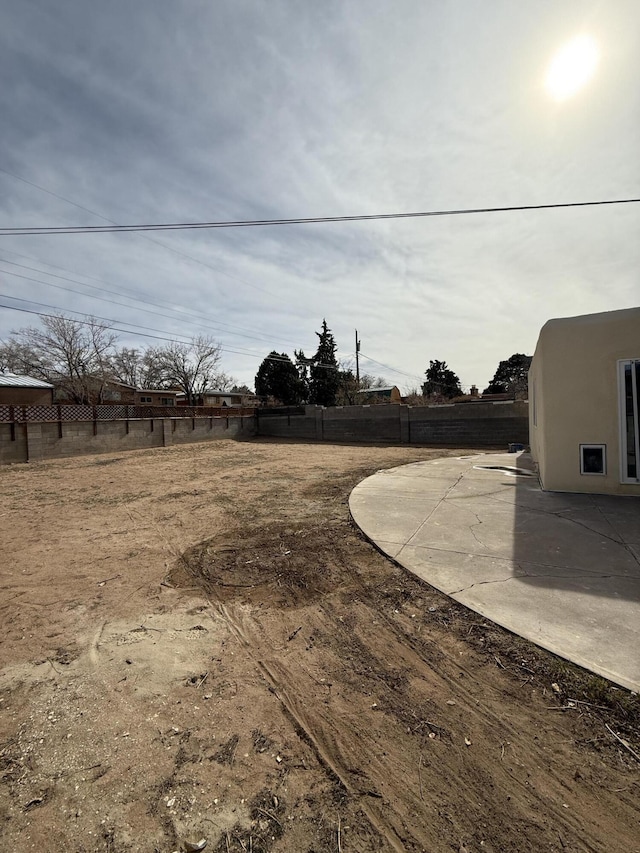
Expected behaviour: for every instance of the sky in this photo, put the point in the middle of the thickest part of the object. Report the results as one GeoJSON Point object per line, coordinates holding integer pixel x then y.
{"type": "Point", "coordinates": [184, 110]}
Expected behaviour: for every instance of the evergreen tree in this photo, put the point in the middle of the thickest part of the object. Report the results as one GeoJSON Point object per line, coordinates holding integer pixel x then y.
{"type": "Point", "coordinates": [441, 382]}
{"type": "Point", "coordinates": [324, 377]}
{"type": "Point", "coordinates": [303, 363]}
{"type": "Point", "coordinates": [277, 377]}
{"type": "Point", "coordinates": [511, 376]}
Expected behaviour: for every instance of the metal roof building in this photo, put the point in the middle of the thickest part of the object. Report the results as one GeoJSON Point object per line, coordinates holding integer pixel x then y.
{"type": "Point", "coordinates": [13, 380]}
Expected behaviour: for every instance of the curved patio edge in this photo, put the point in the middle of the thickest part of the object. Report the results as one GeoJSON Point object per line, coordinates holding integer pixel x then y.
{"type": "Point", "coordinates": [560, 570]}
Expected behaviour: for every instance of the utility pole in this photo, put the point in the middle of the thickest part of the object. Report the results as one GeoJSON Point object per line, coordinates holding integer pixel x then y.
{"type": "Point", "coordinates": [357, 361]}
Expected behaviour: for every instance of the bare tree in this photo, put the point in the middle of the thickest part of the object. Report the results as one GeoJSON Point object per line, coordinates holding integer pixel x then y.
{"type": "Point", "coordinates": [75, 355]}
{"type": "Point", "coordinates": [224, 382]}
{"type": "Point", "coordinates": [191, 367]}
{"type": "Point", "coordinates": [18, 357]}
{"type": "Point", "coordinates": [367, 382]}
{"type": "Point", "coordinates": [137, 367]}
{"type": "Point", "coordinates": [126, 366]}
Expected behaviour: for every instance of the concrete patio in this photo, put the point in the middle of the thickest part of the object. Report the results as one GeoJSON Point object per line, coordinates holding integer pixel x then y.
{"type": "Point", "coordinates": [562, 570]}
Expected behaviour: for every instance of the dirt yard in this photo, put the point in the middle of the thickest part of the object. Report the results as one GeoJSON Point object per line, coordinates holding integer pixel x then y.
{"type": "Point", "coordinates": [198, 644]}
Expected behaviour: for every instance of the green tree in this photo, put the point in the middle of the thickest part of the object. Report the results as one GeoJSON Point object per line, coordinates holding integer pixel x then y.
{"type": "Point", "coordinates": [511, 376]}
{"type": "Point", "coordinates": [441, 382]}
{"type": "Point", "coordinates": [277, 377]}
{"type": "Point", "coordinates": [303, 364]}
{"type": "Point", "coordinates": [324, 377]}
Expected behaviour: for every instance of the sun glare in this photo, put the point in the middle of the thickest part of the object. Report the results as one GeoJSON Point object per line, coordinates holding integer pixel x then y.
{"type": "Point", "coordinates": [572, 67]}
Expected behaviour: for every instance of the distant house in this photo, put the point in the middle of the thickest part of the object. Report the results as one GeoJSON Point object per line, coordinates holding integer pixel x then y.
{"type": "Point", "coordinates": [112, 391]}
{"type": "Point", "coordinates": [231, 399]}
{"type": "Point", "coordinates": [155, 397]}
{"type": "Point", "coordinates": [18, 390]}
{"type": "Point", "coordinates": [221, 398]}
{"type": "Point", "coordinates": [93, 390]}
{"type": "Point", "coordinates": [500, 397]}
{"type": "Point", "coordinates": [584, 403]}
{"type": "Point", "coordinates": [391, 394]}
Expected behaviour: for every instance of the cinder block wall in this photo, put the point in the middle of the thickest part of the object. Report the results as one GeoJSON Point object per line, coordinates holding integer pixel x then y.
{"type": "Point", "coordinates": [362, 423]}
{"type": "Point", "coordinates": [35, 441]}
{"type": "Point", "coordinates": [185, 430]}
{"type": "Point", "coordinates": [471, 424]}
{"type": "Point", "coordinates": [13, 443]}
{"type": "Point", "coordinates": [456, 425]}
{"type": "Point", "coordinates": [77, 438]}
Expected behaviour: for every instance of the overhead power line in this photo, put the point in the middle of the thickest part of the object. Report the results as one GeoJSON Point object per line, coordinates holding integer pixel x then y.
{"type": "Point", "coordinates": [134, 329]}
{"type": "Point", "coordinates": [173, 249]}
{"type": "Point", "coordinates": [114, 301]}
{"type": "Point", "coordinates": [252, 223]}
{"type": "Point", "coordinates": [112, 290]}
{"type": "Point", "coordinates": [393, 369]}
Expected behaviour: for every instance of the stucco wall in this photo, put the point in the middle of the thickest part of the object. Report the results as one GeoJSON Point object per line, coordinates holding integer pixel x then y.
{"type": "Point", "coordinates": [574, 400]}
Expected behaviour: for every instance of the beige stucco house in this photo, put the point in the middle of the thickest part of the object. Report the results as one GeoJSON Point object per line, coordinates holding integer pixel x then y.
{"type": "Point", "coordinates": [584, 403]}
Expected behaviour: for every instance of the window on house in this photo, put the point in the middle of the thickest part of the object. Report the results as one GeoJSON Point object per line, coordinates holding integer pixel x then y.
{"type": "Point", "coordinates": [629, 378]}
{"type": "Point", "coordinates": [593, 459]}
{"type": "Point", "coordinates": [145, 399]}
{"type": "Point", "coordinates": [167, 401]}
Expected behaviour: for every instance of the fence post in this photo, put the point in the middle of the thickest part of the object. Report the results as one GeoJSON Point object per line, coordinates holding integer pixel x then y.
{"type": "Point", "coordinates": [319, 423]}
{"type": "Point", "coordinates": [35, 450]}
{"type": "Point", "coordinates": [59, 421]}
{"type": "Point", "coordinates": [403, 414]}
{"type": "Point", "coordinates": [167, 432]}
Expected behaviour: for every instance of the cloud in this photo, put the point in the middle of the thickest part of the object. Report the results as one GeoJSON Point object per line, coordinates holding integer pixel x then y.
{"type": "Point", "coordinates": [167, 111]}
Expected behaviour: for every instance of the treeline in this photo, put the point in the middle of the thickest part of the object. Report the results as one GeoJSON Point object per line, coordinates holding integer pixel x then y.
{"type": "Point", "coordinates": [80, 357]}
{"type": "Point", "coordinates": [318, 379]}
{"type": "Point", "coordinates": [511, 377]}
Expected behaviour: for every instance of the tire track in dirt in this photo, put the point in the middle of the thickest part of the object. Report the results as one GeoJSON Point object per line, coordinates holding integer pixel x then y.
{"type": "Point", "coordinates": [540, 789]}
{"type": "Point", "coordinates": [347, 743]}
{"type": "Point", "coordinates": [347, 702]}
{"type": "Point", "coordinates": [319, 733]}
{"type": "Point", "coordinates": [417, 754]}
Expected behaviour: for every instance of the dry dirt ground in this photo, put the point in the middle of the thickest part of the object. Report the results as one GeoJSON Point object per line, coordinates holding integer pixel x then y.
{"type": "Point", "coordinates": [197, 643]}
